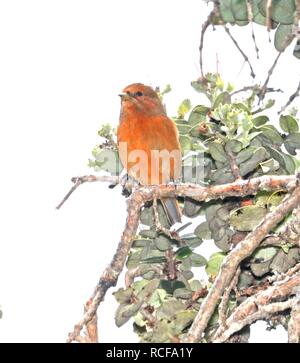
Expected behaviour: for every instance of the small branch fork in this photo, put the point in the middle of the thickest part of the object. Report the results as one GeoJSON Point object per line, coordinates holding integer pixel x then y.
{"type": "Point", "coordinates": [141, 195]}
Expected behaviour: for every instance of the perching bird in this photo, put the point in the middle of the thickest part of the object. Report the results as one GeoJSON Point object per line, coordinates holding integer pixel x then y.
{"type": "Point", "coordinates": [148, 142]}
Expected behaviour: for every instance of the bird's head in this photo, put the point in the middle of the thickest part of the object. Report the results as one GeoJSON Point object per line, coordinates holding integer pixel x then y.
{"type": "Point", "coordinates": [138, 98]}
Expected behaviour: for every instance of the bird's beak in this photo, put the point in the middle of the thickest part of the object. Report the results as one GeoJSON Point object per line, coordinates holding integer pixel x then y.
{"type": "Point", "coordinates": [125, 96]}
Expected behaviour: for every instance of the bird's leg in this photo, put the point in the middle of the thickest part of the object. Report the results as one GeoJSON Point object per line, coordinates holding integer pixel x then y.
{"type": "Point", "coordinates": [125, 181]}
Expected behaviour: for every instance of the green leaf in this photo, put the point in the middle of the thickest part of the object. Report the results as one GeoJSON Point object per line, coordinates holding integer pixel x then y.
{"type": "Point", "coordinates": [283, 36]}
{"type": "Point", "coordinates": [222, 99]}
{"type": "Point", "coordinates": [239, 10]}
{"type": "Point", "coordinates": [184, 108]}
{"type": "Point", "coordinates": [147, 290]}
{"type": "Point", "coordinates": [282, 261]}
{"type": "Point", "coordinates": [195, 285]}
{"type": "Point", "coordinates": [214, 263]}
{"type": "Point", "coordinates": [251, 164]}
{"type": "Point", "coordinates": [108, 160]}
{"type": "Point", "coordinates": [286, 161]}
{"type": "Point", "coordinates": [293, 140]}
{"type": "Point", "coordinates": [233, 146]}
{"type": "Point", "coordinates": [269, 166]}
{"type": "Point", "coordinates": [185, 143]}
{"type": "Point", "coordinates": [134, 258]}
{"type": "Point", "coordinates": [183, 319]}
{"type": "Point", "coordinates": [222, 176]}
{"type": "Point", "coordinates": [244, 155]}
{"type": "Point", "coordinates": [154, 259]}
{"type": "Point", "coordinates": [105, 131]}
{"type": "Point", "coordinates": [217, 152]}
{"type": "Point", "coordinates": [260, 120]}
{"type": "Point", "coordinates": [182, 126]}
{"type": "Point", "coordinates": [182, 293]}
{"type": "Point", "coordinates": [225, 10]}
{"type": "Point", "coordinates": [123, 296]}
{"type": "Point", "coordinates": [264, 253]}
{"type": "Point", "coordinates": [192, 240]}
{"type": "Point", "coordinates": [272, 134]}
{"type": "Point", "coordinates": [183, 252]}
{"type": "Point", "coordinates": [171, 285]}
{"type": "Point", "coordinates": [162, 243]}
{"type": "Point", "coordinates": [197, 260]}
{"type": "Point", "coordinates": [288, 124]}
{"type": "Point", "coordinates": [198, 115]}
{"type": "Point", "coordinates": [148, 233]}
{"type": "Point", "coordinates": [259, 269]}
{"type": "Point", "coordinates": [203, 231]}
{"type": "Point", "coordinates": [247, 218]}
{"type": "Point", "coordinates": [282, 10]}
{"type": "Point", "coordinates": [141, 242]}
{"type": "Point", "coordinates": [125, 312]}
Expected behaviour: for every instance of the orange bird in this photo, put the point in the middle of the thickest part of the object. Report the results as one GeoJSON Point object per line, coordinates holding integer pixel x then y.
{"type": "Point", "coordinates": [148, 142]}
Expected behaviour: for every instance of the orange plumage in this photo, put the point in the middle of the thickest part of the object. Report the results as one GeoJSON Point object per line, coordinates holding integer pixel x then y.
{"type": "Point", "coordinates": [148, 142]}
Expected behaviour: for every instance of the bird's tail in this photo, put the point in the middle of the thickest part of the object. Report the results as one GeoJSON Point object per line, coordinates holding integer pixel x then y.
{"type": "Point", "coordinates": [172, 210]}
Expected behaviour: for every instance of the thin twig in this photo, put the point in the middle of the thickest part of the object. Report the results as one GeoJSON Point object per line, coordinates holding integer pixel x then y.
{"type": "Point", "coordinates": [256, 89]}
{"type": "Point", "coordinates": [233, 166]}
{"type": "Point", "coordinates": [263, 90]}
{"type": "Point", "coordinates": [234, 258]}
{"type": "Point", "coordinates": [268, 15]}
{"type": "Point", "coordinates": [291, 99]}
{"type": "Point", "coordinates": [87, 178]}
{"type": "Point", "coordinates": [224, 301]}
{"type": "Point", "coordinates": [240, 50]}
{"type": "Point", "coordinates": [205, 25]}
{"type": "Point", "coordinates": [250, 18]}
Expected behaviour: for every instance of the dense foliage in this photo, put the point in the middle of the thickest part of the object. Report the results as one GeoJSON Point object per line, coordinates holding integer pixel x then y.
{"type": "Point", "coordinates": [282, 17]}
{"type": "Point", "coordinates": [223, 140]}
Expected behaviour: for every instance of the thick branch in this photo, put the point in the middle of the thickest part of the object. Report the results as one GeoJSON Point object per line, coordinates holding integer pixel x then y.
{"type": "Point", "coordinates": [261, 306]}
{"type": "Point", "coordinates": [294, 323]}
{"type": "Point", "coordinates": [234, 258]}
{"type": "Point", "coordinates": [263, 312]}
{"type": "Point", "coordinates": [200, 193]}
{"type": "Point", "coordinates": [110, 275]}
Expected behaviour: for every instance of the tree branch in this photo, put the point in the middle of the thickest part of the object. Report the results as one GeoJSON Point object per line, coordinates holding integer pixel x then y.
{"type": "Point", "coordinates": [87, 178]}
{"type": "Point", "coordinates": [240, 50]}
{"type": "Point", "coordinates": [197, 192]}
{"type": "Point", "coordinates": [250, 18]}
{"type": "Point", "coordinates": [291, 99]}
{"type": "Point", "coordinates": [263, 90]}
{"type": "Point", "coordinates": [244, 249]}
{"type": "Point", "coordinates": [294, 323]}
{"type": "Point", "coordinates": [110, 275]}
{"type": "Point", "coordinates": [261, 306]}
{"type": "Point", "coordinates": [224, 302]}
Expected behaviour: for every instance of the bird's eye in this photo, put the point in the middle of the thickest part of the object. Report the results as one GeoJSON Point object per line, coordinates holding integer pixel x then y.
{"type": "Point", "coordinates": [138, 94]}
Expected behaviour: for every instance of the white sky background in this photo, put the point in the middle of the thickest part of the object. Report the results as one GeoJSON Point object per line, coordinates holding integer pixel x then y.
{"type": "Point", "coordinates": [62, 66]}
